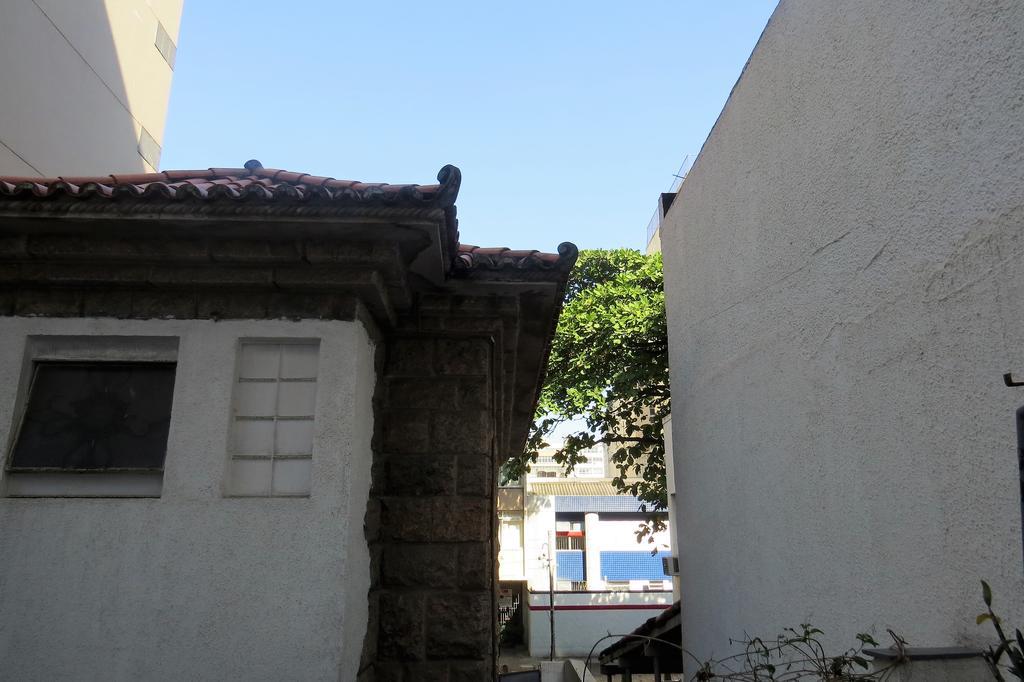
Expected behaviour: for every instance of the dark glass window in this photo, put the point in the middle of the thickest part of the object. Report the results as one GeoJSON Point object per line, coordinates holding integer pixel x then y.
{"type": "Point", "coordinates": [96, 416]}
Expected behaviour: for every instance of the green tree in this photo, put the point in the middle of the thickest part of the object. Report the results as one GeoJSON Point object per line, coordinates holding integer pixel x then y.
{"type": "Point", "coordinates": [608, 369]}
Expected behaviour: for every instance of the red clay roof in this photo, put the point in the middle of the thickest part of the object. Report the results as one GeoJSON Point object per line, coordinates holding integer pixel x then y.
{"type": "Point", "coordinates": [252, 181]}
{"type": "Point", "coordinates": [502, 257]}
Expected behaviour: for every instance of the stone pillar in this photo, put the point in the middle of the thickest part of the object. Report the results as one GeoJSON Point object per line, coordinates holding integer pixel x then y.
{"type": "Point", "coordinates": [432, 518]}
{"type": "Point", "coordinates": [592, 550]}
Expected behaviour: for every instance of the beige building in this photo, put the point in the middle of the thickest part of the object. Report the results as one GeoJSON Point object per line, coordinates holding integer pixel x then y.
{"type": "Point", "coordinates": [85, 85]}
{"type": "Point", "coordinates": [844, 270]}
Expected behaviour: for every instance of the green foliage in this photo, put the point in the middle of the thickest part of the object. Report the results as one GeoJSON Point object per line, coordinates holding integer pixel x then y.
{"type": "Point", "coordinates": [512, 631]}
{"type": "Point", "coordinates": [609, 367]}
{"type": "Point", "coordinates": [798, 654]}
{"type": "Point", "coordinates": [1013, 649]}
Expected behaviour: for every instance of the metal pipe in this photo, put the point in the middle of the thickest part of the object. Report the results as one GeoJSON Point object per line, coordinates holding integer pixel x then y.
{"type": "Point", "coordinates": [551, 590]}
{"type": "Point", "coordinates": [1020, 460]}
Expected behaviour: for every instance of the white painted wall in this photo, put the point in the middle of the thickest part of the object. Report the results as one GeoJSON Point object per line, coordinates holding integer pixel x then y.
{"type": "Point", "coordinates": [673, 501]}
{"type": "Point", "coordinates": [511, 565]}
{"type": "Point", "coordinates": [844, 270]}
{"type": "Point", "coordinates": [539, 521]}
{"type": "Point", "coordinates": [619, 534]}
{"type": "Point", "coordinates": [581, 618]}
{"type": "Point", "coordinates": [194, 585]}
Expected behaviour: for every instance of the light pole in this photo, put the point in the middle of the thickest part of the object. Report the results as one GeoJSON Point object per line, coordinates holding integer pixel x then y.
{"type": "Point", "coordinates": [549, 559]}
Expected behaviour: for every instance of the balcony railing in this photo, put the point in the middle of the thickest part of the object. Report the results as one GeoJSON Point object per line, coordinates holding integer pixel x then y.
{"type": "Point", "coordinates": [653, 225]}
{"type": "Point", "coordinates": [677, 182]}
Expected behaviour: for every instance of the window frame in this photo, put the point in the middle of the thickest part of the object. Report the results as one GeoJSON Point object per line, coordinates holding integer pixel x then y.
{"type": "Point", "coordinates": [228, 489]}
{"type": "Point", "coordinates": [84, 349]}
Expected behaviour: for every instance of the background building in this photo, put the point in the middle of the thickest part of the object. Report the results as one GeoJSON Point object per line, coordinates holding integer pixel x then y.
{"type": "Point", "coordinates": [844, 268]}
{"type": "Point", "coordinates": [598, 465]}
{"type": "Point", "coordinates": [85, 85]}
{"type": "Point", "coordinates": [664, 203]}
{"type": "Point", "coordinates": [582, 531]}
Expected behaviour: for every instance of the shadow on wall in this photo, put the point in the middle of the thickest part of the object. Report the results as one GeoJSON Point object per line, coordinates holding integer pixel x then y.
{"type": "Point", "coordinates": [536, 503]}
{"type": "Point", "coordinates": [64, 109]}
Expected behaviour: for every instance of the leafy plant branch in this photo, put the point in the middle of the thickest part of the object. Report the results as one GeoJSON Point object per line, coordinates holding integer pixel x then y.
{"type": "Point", "coordinates": [608, 369]}
{"type": "Point", "coordinates": [795, 655]}
{"type": "Point", "coordinates": [1013, 649]}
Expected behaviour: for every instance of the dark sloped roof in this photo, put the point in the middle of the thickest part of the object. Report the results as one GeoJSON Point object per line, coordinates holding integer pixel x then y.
{"type": "Point", "coordinates": [652, 627]}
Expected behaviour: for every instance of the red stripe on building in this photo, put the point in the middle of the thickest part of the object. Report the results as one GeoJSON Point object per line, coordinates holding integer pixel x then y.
{"type": "Point", "coordinates": [598, 607]}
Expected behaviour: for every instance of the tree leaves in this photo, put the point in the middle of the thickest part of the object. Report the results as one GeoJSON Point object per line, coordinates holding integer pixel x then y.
{"type": "Point", "coordinates": [608, 367]}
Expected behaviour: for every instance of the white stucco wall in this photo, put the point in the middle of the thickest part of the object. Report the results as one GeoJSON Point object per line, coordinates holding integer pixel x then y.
{"type": "Point", "coordinates": [538, 522]}
{"type": "Point", "coordinates": [844, 271]}
{"type": "Point", "coordinates": [194, 585]}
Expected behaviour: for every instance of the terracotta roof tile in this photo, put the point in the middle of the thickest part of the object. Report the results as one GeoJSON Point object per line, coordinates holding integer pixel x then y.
{"type": "Point", "coordinates": [253, 181]}
{"type": "Point", "coordinates": [501, 258]}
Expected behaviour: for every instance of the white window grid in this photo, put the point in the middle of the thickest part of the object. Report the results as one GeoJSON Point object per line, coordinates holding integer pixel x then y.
{"type": "Point", "coordinates": [273, 419]}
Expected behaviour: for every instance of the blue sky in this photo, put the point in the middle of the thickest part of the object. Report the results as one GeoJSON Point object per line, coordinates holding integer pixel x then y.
{"type": "Point", "coordinates": [566, 118]}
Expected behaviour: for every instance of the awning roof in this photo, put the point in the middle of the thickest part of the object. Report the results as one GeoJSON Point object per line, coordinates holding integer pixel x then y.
{"type": "Point", "coordinates": [658, 638]}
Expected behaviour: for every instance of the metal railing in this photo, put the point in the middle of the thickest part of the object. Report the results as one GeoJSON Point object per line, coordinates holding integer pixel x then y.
{"type": "Point", "coordinates": [654, 224]}
{"type": "Point", "coordinates": [680, 175]}
{"type": "Point", "coordinates": [677, 182]}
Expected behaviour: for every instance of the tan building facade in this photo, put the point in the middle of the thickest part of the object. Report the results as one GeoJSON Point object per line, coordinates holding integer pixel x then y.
{"type": "Point", "coordinates": [85, 85]}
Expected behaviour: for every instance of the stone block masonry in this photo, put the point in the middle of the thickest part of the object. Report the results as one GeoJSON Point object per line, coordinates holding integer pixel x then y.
{"type": "Point", "coordinates": [431, 519]}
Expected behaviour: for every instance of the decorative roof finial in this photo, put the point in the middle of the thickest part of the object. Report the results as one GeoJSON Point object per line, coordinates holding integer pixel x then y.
{"type": "Point", "coordinates": [253, 164]}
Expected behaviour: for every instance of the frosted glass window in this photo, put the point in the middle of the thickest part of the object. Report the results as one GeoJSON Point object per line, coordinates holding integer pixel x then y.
{"type": "Point", "coordinates": [252, 476]}
{"type": "Point", "coordinates": [294, 437]}
{"type": "Point", "coordinates": [257, 399]}
{"type": "Point", "coordinates": [254, 437]}
{"type": "Point", "coordinates": [300, 361]}
{"type": "Point", "coordinates": [259, 361]}
{"type": "Point", "coordinates": [296, 398]}
{"type": "Point", "coordinates": [272, 424]}
{"type": "Point", "coordinates": [292, 476]}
